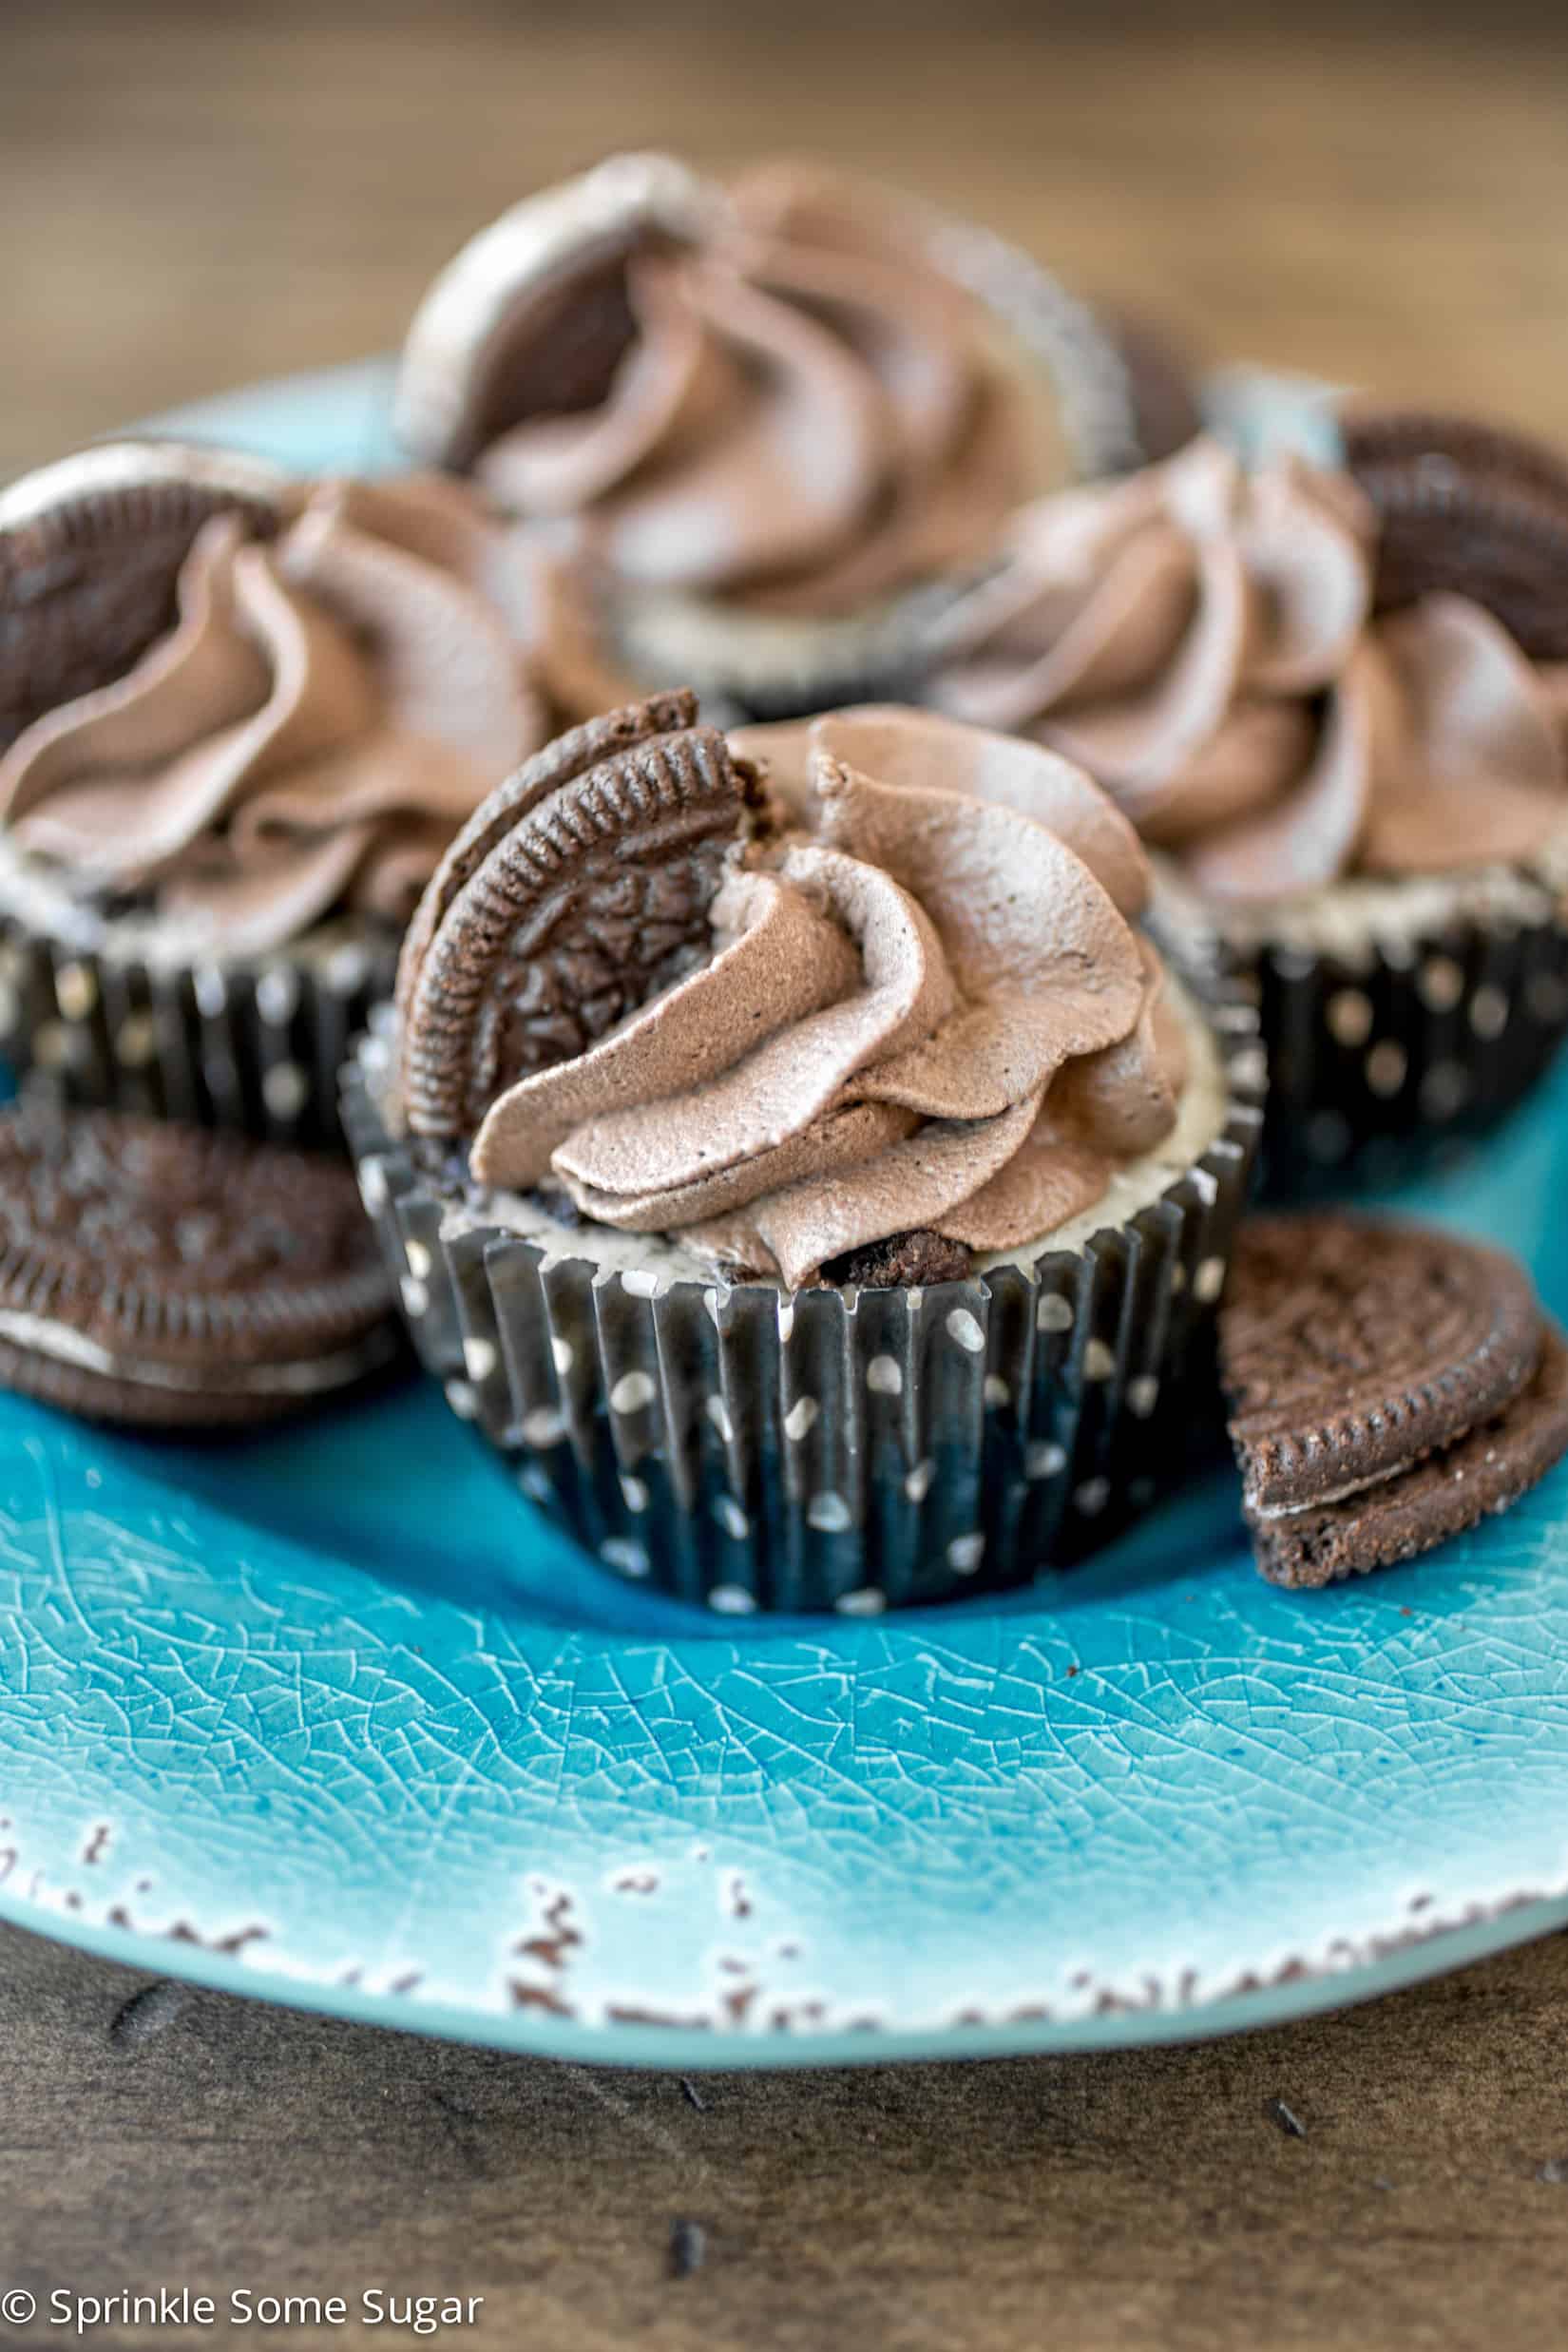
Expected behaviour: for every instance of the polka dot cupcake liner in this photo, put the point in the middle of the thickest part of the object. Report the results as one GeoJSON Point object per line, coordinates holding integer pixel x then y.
{"type": "Point", "coordinates": [747, 1450]}
{"type": "Point", "coordinates": [1386, 1060]}
{"type": "Point", "coordinates": [255, 1046]}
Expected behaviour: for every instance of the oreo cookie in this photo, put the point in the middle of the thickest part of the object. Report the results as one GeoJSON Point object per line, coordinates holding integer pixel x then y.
{"type": "Point", "coordinates": [160, 1275]}
{"type": "Point", "coordinates": [1470, 509]}
{"type": "Point", "coordinates": [1389, 1384]}
{"type": "Point", "coordinates": [534, 315]}
{"type": "Point", "coordinates": [580, 891]}
{"type": "Point", "coordinates": [1483, 1472]}
{"type": "Point", "coordinates": [90, 551]}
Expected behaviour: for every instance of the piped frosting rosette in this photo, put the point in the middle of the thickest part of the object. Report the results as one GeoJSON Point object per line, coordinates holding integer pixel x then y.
{"type": "Point", "coordinates": [922, 1009]}
{"type": "Point", "coordinates": [1351, 788]}
{"type": "Point", "coordinates": [1203, 640]}
{"type": "Point", "coordinates": [695, 1037]}
{"type": "Point", "coordinates": [240, 718]}
{"type": "Point", "coordinates": [767, 391]}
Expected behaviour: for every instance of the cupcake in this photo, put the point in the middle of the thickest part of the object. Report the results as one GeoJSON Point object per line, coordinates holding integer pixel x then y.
{"type": "Point", "coordinates": [798, 1164]}
{"type": "Point", "coordinates": [1334, 701]}
{"type": "Point", "coordinates": [240, 720]}
{"type": "Point", "coordinates": [774, 421]}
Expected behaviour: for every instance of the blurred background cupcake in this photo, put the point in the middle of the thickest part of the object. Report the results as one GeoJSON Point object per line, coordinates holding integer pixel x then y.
{"type": "Point", "coordinates": [777, 418]}
{"type": "Point", "coordinates": [240, 718]}
{"type": "Point", "coordinates": [1334, 697]}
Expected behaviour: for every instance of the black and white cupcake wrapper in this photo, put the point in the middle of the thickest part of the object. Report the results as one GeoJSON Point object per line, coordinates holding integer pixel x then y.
{"type": "Point", "coordinates": [747, 1450]}
{"type": "Point", "coordinates": [1385, 1060]}
{"type": "Point", "coordinates": [255, 1046]}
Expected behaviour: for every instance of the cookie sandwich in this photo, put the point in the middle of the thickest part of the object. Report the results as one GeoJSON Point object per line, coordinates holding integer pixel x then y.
{"type": "Point", "coordinates": [1334, 701]}
{"type": "Point", "coordinates": [240, 718]}
{"type": "Point", "coordinates": [776, 419]}
{"type": "Point", "coordinates": [1390, 1386]}
{"type": "Point", "coordinates": [167, 1277]}
{"type": "Point", "coordinates": [797, 1160]}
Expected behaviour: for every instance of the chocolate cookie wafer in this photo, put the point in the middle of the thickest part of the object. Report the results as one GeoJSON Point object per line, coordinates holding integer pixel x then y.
{"type": "Point", "coordinates": [1388, 1385]}
{"type": "Point", "coordinates": [533, 317]}
{"type": "Point", "coordinates": [569, 755]}
{"type": "Point", "coordinates": [588, 893]}
{"type": "Point", "coordinates": [163, 1275]}
{"type": "Point", "coordinates": [1353, 1346]}
{"type": "Point", "coordinates": [90, 551]}
{"type": "Point", "coordinates": [1470, 509]}
{"type": "Point", "coordinates": [1483, 1472]}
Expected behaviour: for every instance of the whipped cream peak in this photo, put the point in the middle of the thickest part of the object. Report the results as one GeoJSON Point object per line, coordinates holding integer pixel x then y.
{"type": "Point", "coordinates": [1202, 640]}
{"type": "Point", "coordinates": [923, 1007]}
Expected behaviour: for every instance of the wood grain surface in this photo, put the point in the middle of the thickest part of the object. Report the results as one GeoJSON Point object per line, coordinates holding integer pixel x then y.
{"type": "Point", "coordinates": [196, 196]}
{"type": "Point", "coordinates": [1150, 2201]}
{"type": "Point", "coordinates": [191, 197]}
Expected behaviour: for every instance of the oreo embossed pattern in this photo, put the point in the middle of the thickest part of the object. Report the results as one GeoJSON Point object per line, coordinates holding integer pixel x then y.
{"type": "Point", "coordinates": [160, 1275]}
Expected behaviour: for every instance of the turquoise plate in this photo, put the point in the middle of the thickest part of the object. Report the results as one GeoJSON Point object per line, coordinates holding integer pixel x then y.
{"type": "Point", "coordinates": [303, 1716]}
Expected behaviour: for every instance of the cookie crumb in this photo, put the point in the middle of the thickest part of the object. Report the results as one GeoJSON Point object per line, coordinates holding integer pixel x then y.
{"type": "Point", "coordinates": [904, 1261]}
{"type": "Point", "coordinates": [688, 2248]}
{"type": "Point", "coordinates": [1287, 2118]}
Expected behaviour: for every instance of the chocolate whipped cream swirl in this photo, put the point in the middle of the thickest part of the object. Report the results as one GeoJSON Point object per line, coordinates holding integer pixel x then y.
{"type": "Point", "coordinates": [329, 707]}
{"type": "Point", "coordinates": [1203, 642]}
{"type": "Point", "coordinates": [806, 415]}
{"type": "Point", "coordinates": [926, 1007]}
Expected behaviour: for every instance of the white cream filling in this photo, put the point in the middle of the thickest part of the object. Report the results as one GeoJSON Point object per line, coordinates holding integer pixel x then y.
{"type": "Point", "coordinates": [41, 1338]}
{"type": "Point", "coordinates": [1334, 1494]}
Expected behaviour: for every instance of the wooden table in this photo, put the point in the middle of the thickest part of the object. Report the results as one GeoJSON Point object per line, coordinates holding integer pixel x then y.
{"type": "Point", "coordinates": [1136, 2201]}
{"type": "Point", "coordinates": [195, 197]}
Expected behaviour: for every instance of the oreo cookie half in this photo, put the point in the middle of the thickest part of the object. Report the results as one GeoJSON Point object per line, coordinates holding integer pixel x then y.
{"type": "Point", "coordinates": [1388, 1385]}
{"type": "Point", "coordinates": [90, 551]}
{"type": "Point", "coordinates": [1470, 509]}
{"type": "Point", "coordinates": [579, 893]}
{"type": "Point", "coordinates": [157, 1274]}
{"type": "Point", "coordinates": [1484, 1471]}
{"type": "Point", "coordinates": [533, 316]}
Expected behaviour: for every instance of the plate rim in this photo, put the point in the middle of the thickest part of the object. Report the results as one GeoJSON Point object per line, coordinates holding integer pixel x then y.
{"type": "Point", "coordinates": [1309, 1991]}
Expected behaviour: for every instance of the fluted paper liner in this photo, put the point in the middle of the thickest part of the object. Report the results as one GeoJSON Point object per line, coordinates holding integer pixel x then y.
{"type": "Point", "coordinates": [1386, 1060]}
{"type": "Point", "coordinates": [253, 1045]}
{"type": "Point", "coordinates": [745, 1449]}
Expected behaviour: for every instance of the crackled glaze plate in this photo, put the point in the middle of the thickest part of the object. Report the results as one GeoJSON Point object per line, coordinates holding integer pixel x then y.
{"type": "Point", "coordinates": [334, 1718]}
